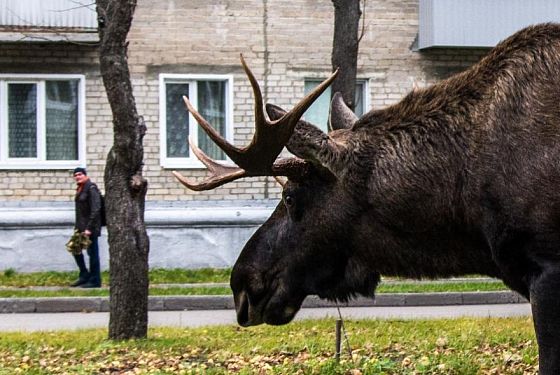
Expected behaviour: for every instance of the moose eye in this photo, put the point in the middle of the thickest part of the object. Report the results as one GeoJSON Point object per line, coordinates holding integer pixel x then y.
{"type": "Point", "coordinates": [289, 200]}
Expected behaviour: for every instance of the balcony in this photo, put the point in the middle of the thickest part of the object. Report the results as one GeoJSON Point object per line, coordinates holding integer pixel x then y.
{"type": "Point", "coordinates": [48, 21]}
{"type": "Point", "coordinates": [479, 23]}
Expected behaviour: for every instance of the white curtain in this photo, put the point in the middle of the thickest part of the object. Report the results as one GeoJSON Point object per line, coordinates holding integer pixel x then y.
{"type": "Point", "coordinates": [22, 120]}
{"type": "Point", "coordinates": [177, 120]}
{"type": "Point", "coordinates": [62, 120]}
{"type": "Point", "coordinates": [212, 106]}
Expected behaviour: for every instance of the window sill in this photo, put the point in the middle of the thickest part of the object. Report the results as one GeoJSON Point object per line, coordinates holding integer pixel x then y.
{"type": "Point", "coordinates": [34, 165]}
{"type": "Point", "coordinates": [190, 164]}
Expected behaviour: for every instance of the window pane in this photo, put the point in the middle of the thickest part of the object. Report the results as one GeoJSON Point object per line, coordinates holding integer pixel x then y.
{"type": "Point", "coordinates": [177, 120]}
{"type": "Point", "coordinates": [318, 113]}
{"type": "Point", "coordinates": [22, 120]}
{"type": "Point", "coordinates": [212, 106]}
{"type": "Point", "coordinates": [359, 97]}
{"type": "Point", "coordinates": [62, 120]}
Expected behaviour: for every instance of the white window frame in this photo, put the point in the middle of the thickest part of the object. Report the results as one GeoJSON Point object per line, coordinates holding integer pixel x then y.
{"type": "Point", "coordinates": [40, 161]}
{"type": "Point", "coordinates": [191, 79]}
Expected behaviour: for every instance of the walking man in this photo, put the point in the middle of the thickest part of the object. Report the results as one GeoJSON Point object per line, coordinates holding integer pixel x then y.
{"type": "Point", "coordinates": [88, 221]}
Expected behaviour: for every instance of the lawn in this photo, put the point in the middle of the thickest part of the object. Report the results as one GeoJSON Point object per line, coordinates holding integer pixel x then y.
{"type": "Point", "coordinates": [171, 282]}
{"type": "Point", "coordinates": [463, 346]}
{"type": "Point", "coordinates": [11, 278]}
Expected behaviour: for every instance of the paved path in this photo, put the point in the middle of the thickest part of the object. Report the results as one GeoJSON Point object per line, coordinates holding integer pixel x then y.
{"type": "Point", "coordinates": [71, 321]}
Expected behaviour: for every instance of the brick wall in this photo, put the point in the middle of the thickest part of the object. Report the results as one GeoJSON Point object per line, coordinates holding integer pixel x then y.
{"type": "Point", "coordinates": [284, 42]}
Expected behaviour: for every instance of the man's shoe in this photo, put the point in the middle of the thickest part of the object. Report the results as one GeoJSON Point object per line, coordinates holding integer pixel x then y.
{"type": "Point", "coordinates": [78, 282]}
{"type": "Point", "coordinates": [90, 285]}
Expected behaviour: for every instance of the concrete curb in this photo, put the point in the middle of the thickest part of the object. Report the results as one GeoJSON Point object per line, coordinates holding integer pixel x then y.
{"type": "Point", "coordinates": [179, 303]}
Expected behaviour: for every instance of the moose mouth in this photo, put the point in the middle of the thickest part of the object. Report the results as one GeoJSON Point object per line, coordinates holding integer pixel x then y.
{"type": "Point", "coordinates": [267, 310]}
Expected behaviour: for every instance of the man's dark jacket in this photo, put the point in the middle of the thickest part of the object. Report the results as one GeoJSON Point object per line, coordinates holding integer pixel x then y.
{"type": "Point", "coordinates": [88, 209]}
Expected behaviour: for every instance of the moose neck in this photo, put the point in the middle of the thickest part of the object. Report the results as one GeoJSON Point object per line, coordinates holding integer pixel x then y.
{"type": "Point", "coordinates": [420, 157]}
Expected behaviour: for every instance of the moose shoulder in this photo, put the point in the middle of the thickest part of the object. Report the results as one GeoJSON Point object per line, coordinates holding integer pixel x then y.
{"type": "Point", "coordinates": [461, 177]}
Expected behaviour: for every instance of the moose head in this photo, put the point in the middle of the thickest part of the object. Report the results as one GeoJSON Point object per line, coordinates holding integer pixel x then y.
{"type": "Point", "coordinates": [302, 248]}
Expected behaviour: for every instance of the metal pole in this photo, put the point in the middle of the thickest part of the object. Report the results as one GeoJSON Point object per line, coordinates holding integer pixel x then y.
{"type": "Point", "coordinates": [338, 338]}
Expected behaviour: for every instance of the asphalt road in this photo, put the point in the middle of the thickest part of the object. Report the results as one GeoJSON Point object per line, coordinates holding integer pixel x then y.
{"type": "Point", "coordinates": [73, 321]}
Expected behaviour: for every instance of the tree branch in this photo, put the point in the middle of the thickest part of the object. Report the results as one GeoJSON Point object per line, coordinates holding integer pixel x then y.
{"type": "Point", "coordinates": [363, 32]}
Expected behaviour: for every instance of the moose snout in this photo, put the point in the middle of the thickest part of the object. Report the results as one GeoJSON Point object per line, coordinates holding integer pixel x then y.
{"type": "Point", "coordinates": [247, 295]}
{"type": "Point", "coordinates": [248, 314]}
{"type": "Point", "coordinates": [242, 309]}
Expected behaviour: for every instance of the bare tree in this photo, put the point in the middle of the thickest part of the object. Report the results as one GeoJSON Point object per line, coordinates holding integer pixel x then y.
{"type": "Point", "coordinates": [124, 184]}
{"type": "Point", "coordinates": [345, 48]}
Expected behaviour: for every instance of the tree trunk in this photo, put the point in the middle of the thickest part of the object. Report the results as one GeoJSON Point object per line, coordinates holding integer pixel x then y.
{"type": "Point", "coordinates": [345, 48]}
{"type": "Point", "coordinates": [124, 185]}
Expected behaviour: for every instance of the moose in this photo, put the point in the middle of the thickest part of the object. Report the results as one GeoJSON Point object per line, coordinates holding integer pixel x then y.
{"type": "Point", "coordinates": [461, 177]}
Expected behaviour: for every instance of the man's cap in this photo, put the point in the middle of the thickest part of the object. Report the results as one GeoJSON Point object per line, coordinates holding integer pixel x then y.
{"type": "Point", "coordinates": [80, 170]}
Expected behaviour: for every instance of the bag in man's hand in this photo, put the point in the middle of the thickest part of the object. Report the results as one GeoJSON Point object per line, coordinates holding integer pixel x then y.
{"type": "Point", "coordinates": [77, 243]}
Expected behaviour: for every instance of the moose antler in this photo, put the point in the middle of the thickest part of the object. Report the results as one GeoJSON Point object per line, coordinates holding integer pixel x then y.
{"type": "Point", "coordinates": [259, 157]}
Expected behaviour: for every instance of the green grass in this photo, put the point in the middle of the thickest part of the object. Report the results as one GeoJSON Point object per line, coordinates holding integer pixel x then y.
{"type": "Point", "coordinates": [179, 291]}
{"type": "Point", "coordinates": [195, 291]}
{"type": "Point", "coordinates": [427, 287]}
{"type": "Point", "coordinates": [183, 276]}
{"type": "Point", "coordinates": [14, 284]}
{"type": "Point", "coordinates": [463, 346]}
{"type": "Point", "coordinates": [12, 278]}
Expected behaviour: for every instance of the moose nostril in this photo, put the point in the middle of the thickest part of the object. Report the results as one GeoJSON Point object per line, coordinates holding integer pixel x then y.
{"type": "Point", "coordinates": [242, 308]}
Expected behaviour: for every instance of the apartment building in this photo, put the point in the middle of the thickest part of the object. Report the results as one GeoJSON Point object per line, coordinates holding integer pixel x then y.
{"type": "Point", "coordinates": [54, 114]}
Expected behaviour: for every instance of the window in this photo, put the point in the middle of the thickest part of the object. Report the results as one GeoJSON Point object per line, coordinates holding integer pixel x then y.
{"type": "Point", "coordinates": [42, 121]}
{"type": "Point", "coordinates": [318, 113]}
{"type": "Point", "coordinates": [211, 96]}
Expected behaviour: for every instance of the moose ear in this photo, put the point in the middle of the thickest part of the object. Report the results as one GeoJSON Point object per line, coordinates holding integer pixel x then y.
{"type": "Point", "coordinates": [340, 117]}
{"type": "Point", "coordinates": [274, 112]}
{"type": "Point", "coordinates": [308, 142]}
{"type": "Point", "coordinates": [305, 138]}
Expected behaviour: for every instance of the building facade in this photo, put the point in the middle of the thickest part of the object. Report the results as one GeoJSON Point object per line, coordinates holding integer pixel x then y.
{"type": "Point", "coordinates": [192, 48]}
{"type": "Point", "coordinates": [54, 114]}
